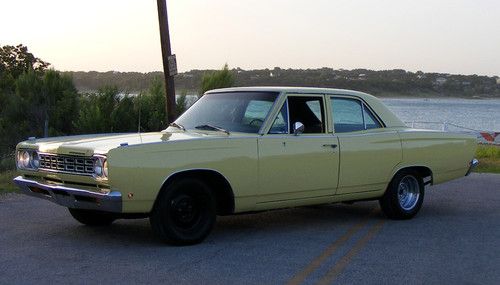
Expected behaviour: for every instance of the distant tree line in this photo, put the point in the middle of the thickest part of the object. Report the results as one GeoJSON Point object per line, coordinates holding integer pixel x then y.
{"type": "Point", "coordinates": [382, 83]}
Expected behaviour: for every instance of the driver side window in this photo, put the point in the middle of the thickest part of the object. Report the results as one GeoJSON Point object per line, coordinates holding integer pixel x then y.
{"type": "Point", "coordinates": [308, 110]}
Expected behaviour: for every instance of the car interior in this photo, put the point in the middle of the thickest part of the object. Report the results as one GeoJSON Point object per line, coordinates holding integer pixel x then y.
{"type": "Point", "coordinates": [309, 111]}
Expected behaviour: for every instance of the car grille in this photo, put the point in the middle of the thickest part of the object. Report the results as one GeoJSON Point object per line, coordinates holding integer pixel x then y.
{"type": "Point", "coordinates": [65, 163]}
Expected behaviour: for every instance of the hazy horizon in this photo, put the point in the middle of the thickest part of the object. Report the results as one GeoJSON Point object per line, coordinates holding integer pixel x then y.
{"type": "Point", "coordinates": [456, 37]}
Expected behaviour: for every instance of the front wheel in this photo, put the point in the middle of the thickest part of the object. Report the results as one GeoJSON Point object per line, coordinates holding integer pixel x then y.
{"type": "Point", "coordinates": [184, 212]}
{"type": "Point", "coordinates": [91, 217]}
{"type": "Point", "coordinates": [404, 196]}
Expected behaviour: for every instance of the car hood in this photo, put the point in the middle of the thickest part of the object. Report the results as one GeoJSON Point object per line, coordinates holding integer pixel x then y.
{"type": "Point", "coordinates": [87, 145]}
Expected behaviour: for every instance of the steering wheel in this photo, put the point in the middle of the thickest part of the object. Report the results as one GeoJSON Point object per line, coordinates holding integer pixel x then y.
{"type": "Point", "coordinates": [256, 120]}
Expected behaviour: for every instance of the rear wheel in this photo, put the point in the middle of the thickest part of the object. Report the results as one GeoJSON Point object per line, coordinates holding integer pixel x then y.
{"type": "Point", "coordinates": [91, 217]}
{"type": "Point", "coordinates": [184, 212]}
{"type": "Point", "coordinates": [404, 196]}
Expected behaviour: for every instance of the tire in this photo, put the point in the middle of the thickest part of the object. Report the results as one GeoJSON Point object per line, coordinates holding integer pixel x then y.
{"type": "Point", "coordinates": [184, 213]}
{"type": "Point", "coordinates": [404, 196]}
{"type": "Point", "coordinates": [91, 217]}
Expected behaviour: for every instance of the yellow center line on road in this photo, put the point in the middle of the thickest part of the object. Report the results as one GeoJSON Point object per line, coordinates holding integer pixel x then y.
{"type": "Point", "coordinates": [316, 263]}
{"type": "Point", "coordinates": [330, 276]}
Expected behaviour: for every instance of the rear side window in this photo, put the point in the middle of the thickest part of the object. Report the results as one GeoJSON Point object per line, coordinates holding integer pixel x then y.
{"type": "Point", "coordinates": [350, 115]}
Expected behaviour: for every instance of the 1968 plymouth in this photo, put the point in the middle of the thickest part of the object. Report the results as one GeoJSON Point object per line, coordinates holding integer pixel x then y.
{"type": "Point", "coordinates": [243, 150]}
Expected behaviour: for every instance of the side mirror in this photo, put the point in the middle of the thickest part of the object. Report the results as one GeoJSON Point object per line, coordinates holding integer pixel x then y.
{"type": "Point", "coordinates": [298, 128]}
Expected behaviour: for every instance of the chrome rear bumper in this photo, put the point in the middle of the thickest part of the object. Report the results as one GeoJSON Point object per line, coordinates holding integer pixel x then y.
{"type": "Point", "coordinates": [71, 197]}
{"type": "Point", "coordinates": [473, 164]}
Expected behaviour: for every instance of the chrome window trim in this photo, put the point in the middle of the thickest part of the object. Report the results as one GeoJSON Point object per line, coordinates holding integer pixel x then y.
{"type": "Point", "coordinates": [363, 114]}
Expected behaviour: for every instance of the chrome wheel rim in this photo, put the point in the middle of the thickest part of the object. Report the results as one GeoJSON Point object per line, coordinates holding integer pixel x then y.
{"type": "Point", "coordinates": [408, 192]}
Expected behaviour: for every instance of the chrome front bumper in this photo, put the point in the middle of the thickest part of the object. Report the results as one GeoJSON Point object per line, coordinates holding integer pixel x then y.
{"type": "Point", "coordinates": [473, 164]}
{"type": "Point", "coordinates": [71, 197]}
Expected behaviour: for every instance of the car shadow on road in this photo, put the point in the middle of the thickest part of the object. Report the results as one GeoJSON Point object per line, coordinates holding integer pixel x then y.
{"type": "Point", "coordinates": [230, 228]}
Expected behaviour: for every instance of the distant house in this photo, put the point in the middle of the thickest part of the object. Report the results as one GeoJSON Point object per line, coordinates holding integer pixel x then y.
{"type": "Point", "coordinates": [498, 80]}
{"type": "Point", "coordinates": [440, 81]}
{"type": "Point", "coordinates": [276, 72]}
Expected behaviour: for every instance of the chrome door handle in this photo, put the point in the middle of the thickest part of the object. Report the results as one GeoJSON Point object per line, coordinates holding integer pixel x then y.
{"type": "Point", "coordinates": [330, 145]}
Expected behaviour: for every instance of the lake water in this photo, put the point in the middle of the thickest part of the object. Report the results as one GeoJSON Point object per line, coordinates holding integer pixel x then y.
{"type": "Point", "coordinates": [475, 114]}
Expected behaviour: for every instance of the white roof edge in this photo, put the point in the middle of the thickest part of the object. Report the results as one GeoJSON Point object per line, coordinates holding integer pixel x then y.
{"type": "Point", "coordinates": [289, 89]}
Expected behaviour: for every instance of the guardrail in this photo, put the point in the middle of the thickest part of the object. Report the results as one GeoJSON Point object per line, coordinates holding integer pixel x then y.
{"type": "Point", "coordinates": [483, 137]}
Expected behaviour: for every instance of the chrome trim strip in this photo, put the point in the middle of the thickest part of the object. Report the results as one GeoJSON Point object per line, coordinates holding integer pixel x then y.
{"type": "Point", "coordinates": [363, 114]}
{"type": "Point", "coordinates": [472, 165]}
{"type": "Point", "coordinates": [72, 197]}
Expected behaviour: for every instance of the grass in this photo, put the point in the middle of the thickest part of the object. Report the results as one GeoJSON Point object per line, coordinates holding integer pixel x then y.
{"type": "Point", "coordinates": [6, 184]}
{"type": "Point", "coordinates": [489, 159]}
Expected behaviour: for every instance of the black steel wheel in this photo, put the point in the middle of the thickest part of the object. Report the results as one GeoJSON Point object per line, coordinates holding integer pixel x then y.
{"type": "Point", "coordinates": [91, 217]}
{"type": "Point", "coordinates": [184, 212]}
{"type": "Point", "coordinates": [404, 196]}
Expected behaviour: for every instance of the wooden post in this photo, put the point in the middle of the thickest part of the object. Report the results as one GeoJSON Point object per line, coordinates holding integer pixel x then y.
{"type": "Point", "coordinates": [166, 52]}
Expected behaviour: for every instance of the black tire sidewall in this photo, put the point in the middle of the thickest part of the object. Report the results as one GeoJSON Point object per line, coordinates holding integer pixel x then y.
{"type": "Point", "coordinates": [165, 227]}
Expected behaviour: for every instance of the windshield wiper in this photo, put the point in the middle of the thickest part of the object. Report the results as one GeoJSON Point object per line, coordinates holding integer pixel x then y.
{"type": "Point", "coordinates": [211, 127]}
{"type": "Point", "coordinates": [175, 125]}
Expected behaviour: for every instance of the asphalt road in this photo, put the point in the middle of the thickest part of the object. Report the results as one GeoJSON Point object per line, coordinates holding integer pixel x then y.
{"type": "Point", "coordinates": [455, 239]}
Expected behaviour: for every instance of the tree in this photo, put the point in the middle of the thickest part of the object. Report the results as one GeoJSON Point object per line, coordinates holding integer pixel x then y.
{"type": "Point", "coordinates": [16, 60]}
{"type": "Point", "coordinates": [152, 107]}
{"type": "Point", "coordinates": [181, 103]}
{"type": "Point", "coordinates": [217, 79]}
{"type": "Point", "coordinates": [30, 94]}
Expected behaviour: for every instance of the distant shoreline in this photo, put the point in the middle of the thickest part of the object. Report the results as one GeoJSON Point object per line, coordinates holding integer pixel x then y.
{"type": "Point", "coordinates": [396, 83]}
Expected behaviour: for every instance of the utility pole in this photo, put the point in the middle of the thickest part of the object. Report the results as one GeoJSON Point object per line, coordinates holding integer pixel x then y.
{"type": "Point", "coordinates": [169, 63]}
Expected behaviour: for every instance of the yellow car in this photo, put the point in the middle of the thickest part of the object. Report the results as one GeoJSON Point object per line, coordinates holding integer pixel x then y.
{"type": "Point", "coordinates": [242, 150]}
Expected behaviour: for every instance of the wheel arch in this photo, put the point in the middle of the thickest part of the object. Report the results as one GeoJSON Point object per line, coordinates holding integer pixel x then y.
{"type": "Point", "coordinates": [218, 183]}
{"type": "Point", "coordinates": [422, 170]}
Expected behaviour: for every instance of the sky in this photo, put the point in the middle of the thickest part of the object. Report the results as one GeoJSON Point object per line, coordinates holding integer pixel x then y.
{"type": "Point", "coordinates": [450, 36]}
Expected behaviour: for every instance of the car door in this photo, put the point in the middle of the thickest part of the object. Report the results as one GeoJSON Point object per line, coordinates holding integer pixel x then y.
{"type": "Point", "coordinates": [302, 166]}
{"type": "Point", "coordinates": [369, 152]}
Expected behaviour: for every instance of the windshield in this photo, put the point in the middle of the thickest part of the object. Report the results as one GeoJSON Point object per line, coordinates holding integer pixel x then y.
{"type": "Point", "coordinates": [229, 111]}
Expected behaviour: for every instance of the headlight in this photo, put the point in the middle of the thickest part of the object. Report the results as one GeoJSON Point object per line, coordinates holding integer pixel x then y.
{"type": "Point", "coordinates": [101, 167]}
{"type": "Point", "coordinates": [28, 159]}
